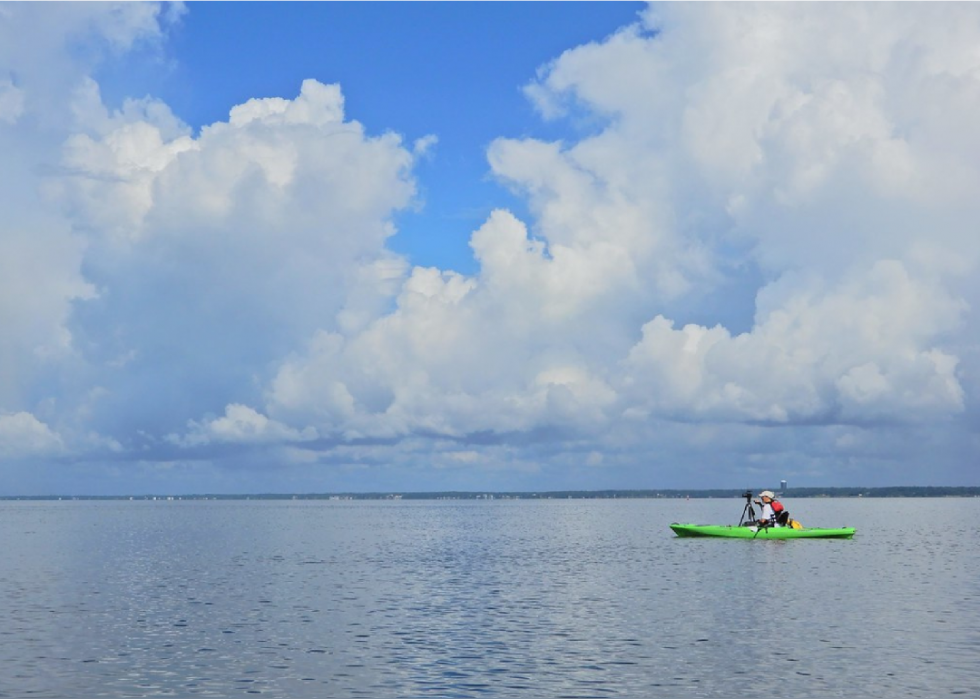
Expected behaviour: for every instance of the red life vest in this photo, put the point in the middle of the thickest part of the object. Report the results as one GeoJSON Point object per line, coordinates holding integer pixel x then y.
{"type": "Point", "coordinates": [777, 506]}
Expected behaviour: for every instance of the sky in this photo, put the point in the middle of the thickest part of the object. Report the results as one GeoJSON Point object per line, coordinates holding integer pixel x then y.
{"type": "Point", "coordinates": [373, 247]}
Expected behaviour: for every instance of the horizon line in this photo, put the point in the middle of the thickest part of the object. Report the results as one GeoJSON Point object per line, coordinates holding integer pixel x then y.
{"type": "Point", "coordinates": [605, 493]}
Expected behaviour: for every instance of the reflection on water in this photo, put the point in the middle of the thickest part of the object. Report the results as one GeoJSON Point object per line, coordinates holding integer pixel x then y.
{"type": "Point", "coordinates": [581, 598]}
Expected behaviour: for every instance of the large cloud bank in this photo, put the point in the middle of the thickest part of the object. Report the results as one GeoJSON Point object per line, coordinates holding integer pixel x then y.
{"type": "Point", "coordinates": [763, 244]}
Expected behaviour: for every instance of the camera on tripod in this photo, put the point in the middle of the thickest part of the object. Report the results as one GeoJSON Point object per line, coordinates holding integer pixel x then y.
{"type": "Point", "coordinates": [748, 512]}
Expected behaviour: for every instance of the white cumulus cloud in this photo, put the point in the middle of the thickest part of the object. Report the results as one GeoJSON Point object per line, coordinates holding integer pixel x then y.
{"type": "Point", "coordinates": [241, 425]}
{"type": "Point", "coordinates": [23, 435]}
{"type": "Point", "coordinates": [244, 240]}
{"type": "Point", "coordinates": [762, 242]}
{"type": "Point", "coordinates": [797, 155]}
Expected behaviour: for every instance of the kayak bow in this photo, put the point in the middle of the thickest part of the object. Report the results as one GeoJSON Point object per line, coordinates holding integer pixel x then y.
{"type": "Point", "coordinates": [732, 532]}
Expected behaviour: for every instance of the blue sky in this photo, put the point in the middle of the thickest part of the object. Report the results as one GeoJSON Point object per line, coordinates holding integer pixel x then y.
{"type": "Point", "coordinates": [252, 247]}
{"type": "Point", "coordinates": [454, 70]}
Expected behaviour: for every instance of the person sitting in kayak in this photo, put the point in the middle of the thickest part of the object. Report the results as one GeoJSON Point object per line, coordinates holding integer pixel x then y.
{"type": "Point", "coordinates": [773, 513]}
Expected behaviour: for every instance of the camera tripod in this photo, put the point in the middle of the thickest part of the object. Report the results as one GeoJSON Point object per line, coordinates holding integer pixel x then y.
{"type": "Point", "coordinates": [748, 512]}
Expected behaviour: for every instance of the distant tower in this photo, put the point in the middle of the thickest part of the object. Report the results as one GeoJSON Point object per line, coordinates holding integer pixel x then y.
{"type": "Point", "coordinates": [782, 486]}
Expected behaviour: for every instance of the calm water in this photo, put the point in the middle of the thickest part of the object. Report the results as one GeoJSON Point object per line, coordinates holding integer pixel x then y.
{"type": "Point", "coordinates": [581, 598]}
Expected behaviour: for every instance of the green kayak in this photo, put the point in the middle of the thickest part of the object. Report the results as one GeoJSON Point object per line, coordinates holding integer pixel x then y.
{"type": "Point", "coordinates": [733, 532]}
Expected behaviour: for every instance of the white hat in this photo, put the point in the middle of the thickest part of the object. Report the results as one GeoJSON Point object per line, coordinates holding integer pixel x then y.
{"type": "Point", "coordinates": [767, 494]}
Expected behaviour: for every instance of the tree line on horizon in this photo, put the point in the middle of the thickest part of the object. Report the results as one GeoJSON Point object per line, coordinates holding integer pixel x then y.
{"type": "Point", "coordinates": [801, 492]}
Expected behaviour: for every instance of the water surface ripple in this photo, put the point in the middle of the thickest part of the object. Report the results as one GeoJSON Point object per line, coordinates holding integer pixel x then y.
{"type": "Point", "coordinates": [577, 598]}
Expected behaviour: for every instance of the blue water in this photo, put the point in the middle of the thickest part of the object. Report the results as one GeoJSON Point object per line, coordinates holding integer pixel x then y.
{"type": "Point", "coordinates": [576, 598]}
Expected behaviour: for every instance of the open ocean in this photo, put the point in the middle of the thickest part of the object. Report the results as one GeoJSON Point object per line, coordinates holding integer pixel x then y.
{"type": "Point", "coordinates": [559, 598]}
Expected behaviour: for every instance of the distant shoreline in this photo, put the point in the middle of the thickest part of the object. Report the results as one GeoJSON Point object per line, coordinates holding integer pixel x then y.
{"type": "Point", "coordinates": [788, 493]}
